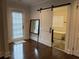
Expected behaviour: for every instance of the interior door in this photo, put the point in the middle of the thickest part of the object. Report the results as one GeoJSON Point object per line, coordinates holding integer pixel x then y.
{"type": "Point", "coordinates": [45, 26]}
{"type": "Point", "coordinates": [17, 25]}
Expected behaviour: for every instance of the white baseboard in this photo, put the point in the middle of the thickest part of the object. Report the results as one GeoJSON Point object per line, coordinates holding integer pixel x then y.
{"type": "Point", "coordinates": [7, 54]}
{"type": "Point", "coordinates": [45, 43]}
{"type": "Point", "coordinates": [68, 51]}
{"type": "Point", "coordinates": [76, 53]}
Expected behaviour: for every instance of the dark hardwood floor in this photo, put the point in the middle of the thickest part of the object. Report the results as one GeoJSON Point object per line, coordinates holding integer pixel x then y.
{"type": "Point", "coordinates": [31, 50]}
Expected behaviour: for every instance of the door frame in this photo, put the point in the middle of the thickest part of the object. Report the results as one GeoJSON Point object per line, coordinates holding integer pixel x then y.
{"type": "Point", "coordinates": [68, 30]}
{"type": "Point", "coordinates": [75, 51]}
{"type": "Point", "coordinates": [9, 22]}
{"type": "Point", "coordinates": [67, 36]}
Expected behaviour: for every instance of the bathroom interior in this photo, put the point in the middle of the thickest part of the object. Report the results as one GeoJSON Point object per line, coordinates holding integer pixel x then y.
{"type": "Point", "coordinates": [59, 26]}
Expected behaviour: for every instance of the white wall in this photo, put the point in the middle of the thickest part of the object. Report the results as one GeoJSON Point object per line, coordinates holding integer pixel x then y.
{"type": "Point", "coordinates": [74, 32]}
{"type": "Point", "coordinates": [25, 9]}
{"type": "Point", "coordinates": [3, 29]}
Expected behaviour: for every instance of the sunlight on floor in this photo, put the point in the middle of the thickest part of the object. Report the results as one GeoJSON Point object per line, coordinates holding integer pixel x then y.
{"type": "Point", "coordinates": [18, 51]}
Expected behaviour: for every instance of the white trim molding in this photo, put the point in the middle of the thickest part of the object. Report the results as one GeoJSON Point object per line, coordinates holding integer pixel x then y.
{"type": "Point", "coordinates": [46, 43]}
{"type": "Point", "coordinates": [68, 51]}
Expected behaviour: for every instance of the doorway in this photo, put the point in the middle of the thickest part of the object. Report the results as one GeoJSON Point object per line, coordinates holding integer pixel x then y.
{"type": "Point", "coordinates": [17, 25]}
{"type": "Point", "coordinates": [59, 25]}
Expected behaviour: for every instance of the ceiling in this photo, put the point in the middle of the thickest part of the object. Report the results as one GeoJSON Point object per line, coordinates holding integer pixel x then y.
{"type": "Point", "coordinates": [38, 2]}
{"type": "Point", "coordinates": [30, 2]}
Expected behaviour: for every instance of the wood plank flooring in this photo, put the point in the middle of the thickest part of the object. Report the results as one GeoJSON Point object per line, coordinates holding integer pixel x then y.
{"type": "Point", "coordinates": [31, 50]}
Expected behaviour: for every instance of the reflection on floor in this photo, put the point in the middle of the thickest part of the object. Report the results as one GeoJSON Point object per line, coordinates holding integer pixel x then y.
{"type": "Point", "coordinates": [18, 50]}
{"type": "Point", "coordinates": [58, 43]}
{"type": "Point", "coordinates": [31, 50]}
{"type": "Point", "coordinates": [18, 42]}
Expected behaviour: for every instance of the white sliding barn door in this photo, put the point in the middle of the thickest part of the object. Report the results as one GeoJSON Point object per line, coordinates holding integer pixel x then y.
{"type": "Point", "coordinates": [45, 27]}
